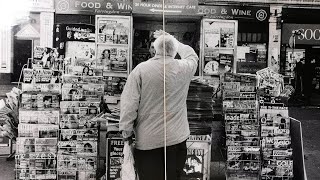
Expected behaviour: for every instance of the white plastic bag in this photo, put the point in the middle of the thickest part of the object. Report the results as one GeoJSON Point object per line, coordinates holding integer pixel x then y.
{"type": "Point", "coordinates": [128, 171]}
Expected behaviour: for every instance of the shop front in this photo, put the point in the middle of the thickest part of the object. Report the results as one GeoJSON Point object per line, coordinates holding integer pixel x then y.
{"type": "Point", "coordinates": [79, 63]}
{"type": "Point", "coordinates": [300, 53]}
{"type": "Point", "coordinates": [31, 26]}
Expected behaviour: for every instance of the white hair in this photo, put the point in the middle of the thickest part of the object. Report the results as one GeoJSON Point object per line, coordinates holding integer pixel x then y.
{"type": "Point", "coordinates": [170, 43]}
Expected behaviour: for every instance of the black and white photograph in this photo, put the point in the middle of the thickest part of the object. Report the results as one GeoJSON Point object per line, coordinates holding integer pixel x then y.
{"type": "Point", "coordinates": [159, 89]}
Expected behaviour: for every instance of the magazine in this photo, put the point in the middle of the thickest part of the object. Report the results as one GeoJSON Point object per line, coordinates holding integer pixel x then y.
{"type": "Point", "coordinates": [68, 135]}
{"type": "Point", "coordinates": [67, 175]}
{"type": "Point", "coordinates": [54, 88]}
{"type": "Point", "coordinates": [80, 107]}
{"type": "Point", "coordinates": [196, 166]}
{"type": "Point", "coordinates": [87, 148]}
{"type": "Point", "coordinates": [70, 79]}
{"type": "Point", "coordinates": [39, 117]}
{"type": "Point", "coordinates": [66, 162]}
{"type": "Point", "coordinates": [87, 164]}
{"type": "Point", "coordinates": [76, 121]}
{"type": "Point", "coordinates": [87, 134]}
{"type": "Point", "coordinates": [22, 174]}
{"type": "Point", "coordinates": [86, 175]}
{"type": "Point", "coordinates": [67, 147]}
{"type": "Point", "coordinates": [276, 142]}
{"type": "Point", "coordinates": [113, 31]}
{"type": "Point", "coordinates": [38, 130]}
{"type": "Point", "coordinates": [39, 101]}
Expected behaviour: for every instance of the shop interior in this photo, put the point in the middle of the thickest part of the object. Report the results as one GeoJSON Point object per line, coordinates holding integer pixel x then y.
{"type": "Point", "coordinates": [311, 54]}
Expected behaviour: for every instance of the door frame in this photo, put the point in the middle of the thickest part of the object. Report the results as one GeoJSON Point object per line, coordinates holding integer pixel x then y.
{"type": "Point", "coordinates": [32, 48]}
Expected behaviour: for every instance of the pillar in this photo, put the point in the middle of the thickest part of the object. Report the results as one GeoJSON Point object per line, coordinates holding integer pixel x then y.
{"type": "Point", "coordinates": [274, 37]}
{"type": "Point", "coordinates": [46, 29]}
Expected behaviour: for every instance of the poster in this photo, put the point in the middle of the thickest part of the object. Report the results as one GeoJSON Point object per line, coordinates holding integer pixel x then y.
{"type": "Point", "coordinates": [114, 158]}
{"type": "Point", "coordinates": [219, 41]}
{"type": "Point", "coordinates": [113, 58]}
{"type": "Point", "coordinates": [81, 53]}
{"type": "Point", "coordinates": [198, 158]}
{"type": "Point", "coordinates": [113, 31]}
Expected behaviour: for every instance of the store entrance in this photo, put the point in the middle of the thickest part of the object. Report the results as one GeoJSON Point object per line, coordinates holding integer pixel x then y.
{"type": "Point", "coordinates": [313, 61]}
{"type": "Point", "coordinates": [22, 51]}
{"type": "Point", "coordinates": [186, 29]}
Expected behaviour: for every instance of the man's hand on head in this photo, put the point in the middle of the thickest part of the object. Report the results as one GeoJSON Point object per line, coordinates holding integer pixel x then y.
{"type": "Point", "coordinates": [158, 33]}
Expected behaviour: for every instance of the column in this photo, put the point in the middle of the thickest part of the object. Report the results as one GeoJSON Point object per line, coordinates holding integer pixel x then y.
{"type": "Point", "coordinates": [6, 53]}
{"type": "Point", "coordinates": [46, 29]}
{"type": "Point", "coordinates": [274, 37]}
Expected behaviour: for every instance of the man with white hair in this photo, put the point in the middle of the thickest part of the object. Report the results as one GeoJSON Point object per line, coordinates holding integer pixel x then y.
{"type": "Point", "coordinates": [142, 109]}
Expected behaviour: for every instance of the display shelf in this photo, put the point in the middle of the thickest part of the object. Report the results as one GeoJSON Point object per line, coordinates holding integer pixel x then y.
{"type": "Point", "coordinates": [110, 45]}
{"type": "Point", "coordinates": [241, 127]}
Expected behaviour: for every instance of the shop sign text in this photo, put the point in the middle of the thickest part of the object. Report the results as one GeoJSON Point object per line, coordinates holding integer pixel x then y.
{"type": "Point", "coordinates": [93, 7]}
{"type": "Point", "coordinates": [172, 7]}
{"type": "Point", "coordinates": [234, 12]}
{"type": "Point", "coordinates": [309, 33]}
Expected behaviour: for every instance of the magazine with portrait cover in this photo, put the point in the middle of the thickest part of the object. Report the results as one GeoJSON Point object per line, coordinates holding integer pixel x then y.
{"type": "Point", "coordinates": [31, 145]}
{"type": "Point", "coordinates": [66, 162]}
{"type": "Point", "coordinates": [39, 117]}
{"type": "Point", "coordinates": [67, 147]}
{"type": "Point", "coordinates": [77, 121]}
{"type": "Point", "coordinates": [196, 165]}
{"type": "Point", "coordinates": [74, 93]}
{"type": "Point", "coordinates": [25, 145]}
{"type": "Point", "coordinates": [113, 86]}
{"type": "Point", "coordinates": [69, 107]}
{"type": "Point", "coordinates": [33, 101]}
{"type": "Point", "coordinates": [87, 148]}
{"type": "Point", "coordinates": [83, 108]}
{"type": "Point", "coordinates": [116, 60]}
{"type": "Point", "coordinates": [68, 135]}
{"type": "Point", "coordinates": [87, 163]}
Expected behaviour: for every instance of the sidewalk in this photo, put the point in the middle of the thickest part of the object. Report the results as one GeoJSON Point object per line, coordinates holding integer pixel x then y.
{"type": "Point", "coordinates": [310, 122]}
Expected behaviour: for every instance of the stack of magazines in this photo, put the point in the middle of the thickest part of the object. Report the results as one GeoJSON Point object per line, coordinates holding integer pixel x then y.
{"type": "Point", "coordinates": [277, 160]}
{"type": "Point", "coordinates": [240, 107]}
{"type": "Point", "coordinates": [77, 146]}
{"type": "Point", "coordinates": [9, 114]}
{"type": "Point", "coordinates": [36, 146]}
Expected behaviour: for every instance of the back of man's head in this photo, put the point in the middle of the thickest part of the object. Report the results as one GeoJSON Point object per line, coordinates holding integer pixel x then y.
{"type": "Point", "coordinates": [166, 45]}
